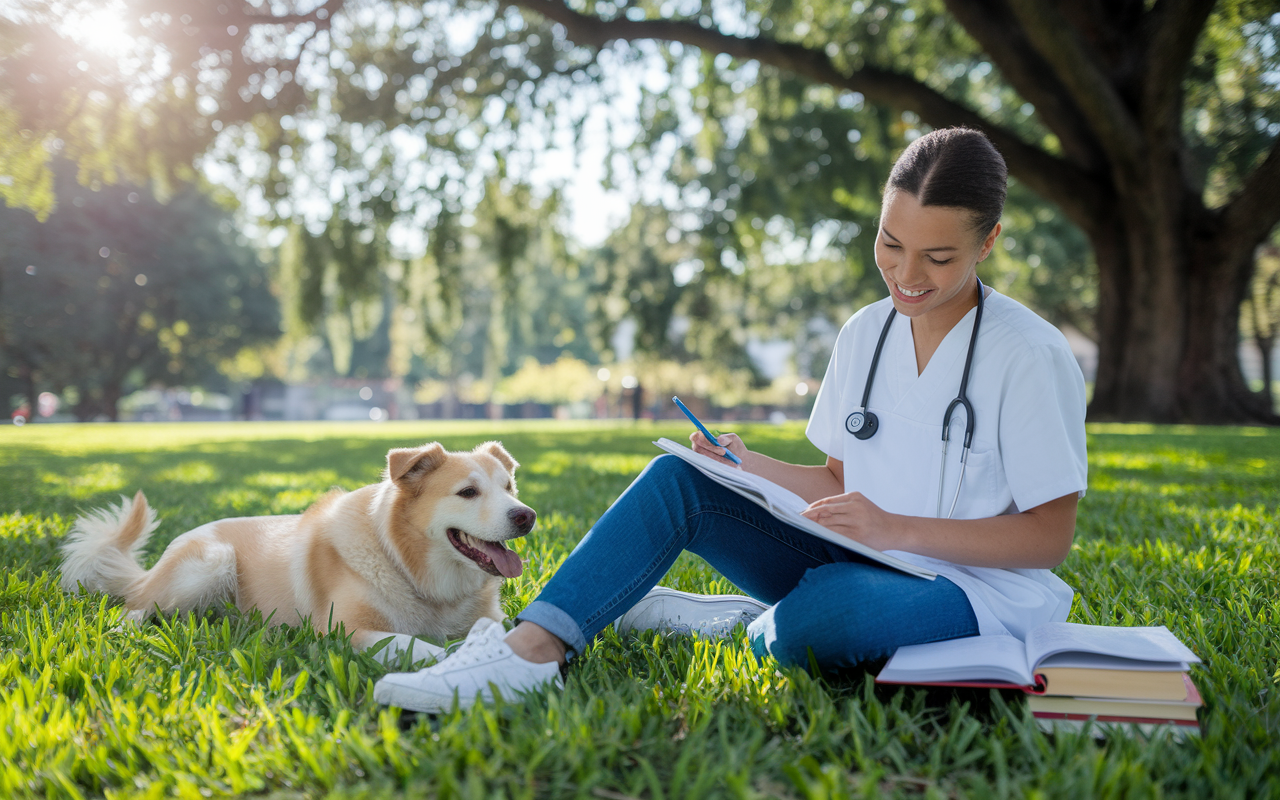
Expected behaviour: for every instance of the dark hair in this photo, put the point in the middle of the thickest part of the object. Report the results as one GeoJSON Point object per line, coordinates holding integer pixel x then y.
{"type": "Point", "coordinates": [956, 167]}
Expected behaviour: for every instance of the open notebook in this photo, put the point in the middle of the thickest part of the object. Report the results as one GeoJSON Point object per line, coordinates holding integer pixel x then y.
{"type": "Point", "coordinates": [783, 504]}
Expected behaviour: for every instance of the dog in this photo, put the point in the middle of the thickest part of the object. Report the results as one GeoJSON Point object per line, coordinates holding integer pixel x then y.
{"type": "Point", "coordinates": [419, 556]}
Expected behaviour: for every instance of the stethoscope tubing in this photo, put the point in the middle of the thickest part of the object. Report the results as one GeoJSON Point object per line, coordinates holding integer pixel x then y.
{"type": "Point", "coordinates": [961, 400]}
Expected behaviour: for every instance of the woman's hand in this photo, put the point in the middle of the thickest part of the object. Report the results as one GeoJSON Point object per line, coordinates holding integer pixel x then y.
{"type": "Point", "coordinates": [728, 441]}
{"type": "Point", "coordinates": [853, 515]}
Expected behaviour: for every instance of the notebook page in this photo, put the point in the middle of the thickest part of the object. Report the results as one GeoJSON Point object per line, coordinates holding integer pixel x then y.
{"type": "Point", "coordinates": [777, 497]}
{"type": "Point", "coordinates": [783, 504]}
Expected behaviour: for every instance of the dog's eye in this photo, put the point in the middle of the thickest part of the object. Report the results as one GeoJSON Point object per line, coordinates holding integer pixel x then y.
{"type": "Point", "coordinates": [469, 492]}
{"type": "Point", "coordinates": [509, 487]}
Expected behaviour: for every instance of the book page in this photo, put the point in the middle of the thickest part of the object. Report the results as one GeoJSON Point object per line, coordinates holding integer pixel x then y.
{"type": "Point", "coordinates": [1101, 661]}
{"type": "Point", "coordinates": [783, 504]}
{"type": "Point", "coordinates": [974, 658]}
{"type": "Point", "coordinates": [1154, 644]}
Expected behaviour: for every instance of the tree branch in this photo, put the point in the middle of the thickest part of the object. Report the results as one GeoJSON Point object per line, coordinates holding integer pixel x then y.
{"type": "Point", "coordinates": [1076, 191]}
{"type": "Point", "coordinates": [1170, 32]}
{"type": "Point", "coordinates": [991, 24]}
{"type": "Point", "coordinates": [1255, 210]}
{"type": "Point", "coordinates": [1111, 120]}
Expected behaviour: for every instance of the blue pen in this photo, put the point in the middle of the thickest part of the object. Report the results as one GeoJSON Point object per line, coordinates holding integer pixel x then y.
{"type": "Point", "coordinates": [704, 430]}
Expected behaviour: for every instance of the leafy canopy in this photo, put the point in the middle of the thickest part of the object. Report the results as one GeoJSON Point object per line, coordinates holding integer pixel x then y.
{"type": "Point", "coordinates": [116, 290]}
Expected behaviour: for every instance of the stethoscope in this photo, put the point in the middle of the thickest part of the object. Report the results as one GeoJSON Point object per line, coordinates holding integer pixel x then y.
{"type": "Point", "coordinates": [863, 424]}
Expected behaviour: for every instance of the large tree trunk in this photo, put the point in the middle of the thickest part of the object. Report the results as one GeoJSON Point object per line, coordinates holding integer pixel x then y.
{"type": "Point", "coordinates": [1171, 282]}
{"type": "Point", "coordinates": [1168, 340]}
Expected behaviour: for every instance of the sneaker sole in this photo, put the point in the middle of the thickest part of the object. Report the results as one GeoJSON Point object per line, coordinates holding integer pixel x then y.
{"type": "Point", "coordinates": [662, 593]}
{"type": "Point", "coordinates": [409, 699]}
{"type": "Point", "coordinates": [390, 694]}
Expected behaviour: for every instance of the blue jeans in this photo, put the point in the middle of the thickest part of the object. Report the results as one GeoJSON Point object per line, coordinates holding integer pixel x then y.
{"type": "Point", "coordinates": [824, 598]}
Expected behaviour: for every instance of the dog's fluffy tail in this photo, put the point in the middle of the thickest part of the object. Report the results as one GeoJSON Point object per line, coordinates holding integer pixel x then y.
{"type": "Point", "coordinates": [101, 552]}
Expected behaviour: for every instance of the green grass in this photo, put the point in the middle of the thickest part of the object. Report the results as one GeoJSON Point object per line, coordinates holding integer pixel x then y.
{"type": "Point", "coordinates": [1179, 528]}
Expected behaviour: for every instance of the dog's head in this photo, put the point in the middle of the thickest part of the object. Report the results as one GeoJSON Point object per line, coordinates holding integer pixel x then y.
{"type": "Point", "coordinates": [466, 499]}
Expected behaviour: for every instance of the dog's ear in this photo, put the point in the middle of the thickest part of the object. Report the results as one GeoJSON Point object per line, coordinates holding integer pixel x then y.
{"type": "Point", "coordinates": [406, 463]}
{"type": "Point", "coordinates": [499, 452]}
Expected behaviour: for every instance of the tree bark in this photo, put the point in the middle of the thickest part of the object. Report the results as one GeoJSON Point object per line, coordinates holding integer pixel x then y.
{"type": "Point", "coordinates": [1168, 325]}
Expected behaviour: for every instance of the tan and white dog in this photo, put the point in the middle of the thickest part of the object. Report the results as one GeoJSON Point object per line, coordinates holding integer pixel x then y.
{"type": "Point", "coordinates": [421, 554]}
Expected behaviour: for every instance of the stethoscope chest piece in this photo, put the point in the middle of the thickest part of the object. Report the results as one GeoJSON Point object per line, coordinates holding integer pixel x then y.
{"type": "Point", "coordinates": [862, 424]}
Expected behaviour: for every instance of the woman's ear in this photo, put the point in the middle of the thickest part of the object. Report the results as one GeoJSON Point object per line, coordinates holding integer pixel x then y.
{"type": "Point", "coordinates": [989, 243]}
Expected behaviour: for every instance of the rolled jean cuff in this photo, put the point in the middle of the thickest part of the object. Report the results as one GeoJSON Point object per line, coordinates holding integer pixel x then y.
{"type": "Point", "coordinates": [556, 622]}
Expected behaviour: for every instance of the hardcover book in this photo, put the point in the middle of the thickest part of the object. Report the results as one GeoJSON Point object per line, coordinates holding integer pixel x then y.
{"type": "Point", "coordinates": [1087, 657]}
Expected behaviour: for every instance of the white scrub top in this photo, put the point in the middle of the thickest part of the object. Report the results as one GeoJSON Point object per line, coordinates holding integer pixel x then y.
{"type": "Point", "coordinates": [1028, 441]}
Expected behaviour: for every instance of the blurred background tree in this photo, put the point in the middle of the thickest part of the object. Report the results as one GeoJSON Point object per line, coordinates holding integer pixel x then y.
{"type": "Point", "coordinates": [1141, 137]}
{"type": "Point", "coordinates": [114, 291]}
{"type": "Point", "coordinates": [1261, 318]}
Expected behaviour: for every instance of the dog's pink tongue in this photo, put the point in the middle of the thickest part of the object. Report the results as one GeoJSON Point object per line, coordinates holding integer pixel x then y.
{"type": "Point", "coordinates": [507, 562]}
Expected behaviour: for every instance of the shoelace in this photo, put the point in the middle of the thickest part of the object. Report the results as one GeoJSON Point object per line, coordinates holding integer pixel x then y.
{"type": "Point", "coordinates": [472, 650]}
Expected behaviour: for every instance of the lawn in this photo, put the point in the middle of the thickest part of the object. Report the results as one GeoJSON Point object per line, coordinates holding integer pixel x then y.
{"type": "Point", "coordinates": [1179, 528]}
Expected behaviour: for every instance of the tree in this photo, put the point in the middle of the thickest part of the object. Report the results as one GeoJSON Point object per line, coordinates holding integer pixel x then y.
{"type": "Point", "coordinates": [1262, 312]}
{"type": "Point", "coordinates": [1150, 125]}
{"type": "Point", "coordinates": [1108, 80]}
{"type": "Point", "coordinates": [115, 290]}
{"type": "Point", "coordinates": [493, 290]}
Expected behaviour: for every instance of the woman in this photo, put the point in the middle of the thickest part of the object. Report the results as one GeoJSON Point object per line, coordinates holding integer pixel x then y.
{"type": "Point", "coordinates": [991, 521]}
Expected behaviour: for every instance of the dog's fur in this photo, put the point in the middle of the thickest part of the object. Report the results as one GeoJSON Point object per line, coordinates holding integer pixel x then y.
{"type": "Point", "coordinates": [385, 560]}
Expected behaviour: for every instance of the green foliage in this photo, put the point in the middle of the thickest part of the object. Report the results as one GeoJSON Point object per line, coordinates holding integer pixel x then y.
{"type": "Point", "coordinates": [1260, 313]}
{"type": "Point", "coordinates": [567, 380]}
{"type": "Point", "coordinates": [1232, 115]}
{"type": "Point", "coordinates": [413, 116]}
{"type": "Point", "coordinates": [780, 184]}
{"type": "Point", "coordinates": [115, 290]}
{"type": "Point", "coordinates": [494, 287]}
{"type": "Point", "coordinates": [1178, 529]}
{"type": "Point", "coordinates": [401, 115]}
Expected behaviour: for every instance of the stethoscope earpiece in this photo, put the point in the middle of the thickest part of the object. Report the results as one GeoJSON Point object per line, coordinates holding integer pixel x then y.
{"type": "Point", "coordinates": [863, 425]}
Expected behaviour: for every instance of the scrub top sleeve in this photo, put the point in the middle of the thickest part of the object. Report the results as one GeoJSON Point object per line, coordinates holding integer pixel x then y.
{"type": "Point", "coordinates": [825, 423]}
{"type": "Point", "coordinates": [1042, 439]}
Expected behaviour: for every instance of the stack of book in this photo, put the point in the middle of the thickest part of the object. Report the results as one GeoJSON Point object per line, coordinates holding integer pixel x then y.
{"type": "Point", "coordinates": [1105, 677]}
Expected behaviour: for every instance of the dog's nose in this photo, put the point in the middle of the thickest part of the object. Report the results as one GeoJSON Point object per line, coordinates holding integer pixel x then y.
{"type": "Point", "coordinates": [522, 518]}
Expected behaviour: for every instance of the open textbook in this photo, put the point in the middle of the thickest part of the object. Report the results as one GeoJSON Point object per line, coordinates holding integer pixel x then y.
{"type": "Point", "coordinates": [1077, 651]}
{"type": "Point", "coordinates": [783, 504]}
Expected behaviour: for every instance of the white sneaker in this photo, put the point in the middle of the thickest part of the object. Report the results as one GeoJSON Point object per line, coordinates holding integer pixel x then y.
{"type": "Point", "coordinates": [481, 664]}
{"type": "Point", "coordinates": [672, 611]}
